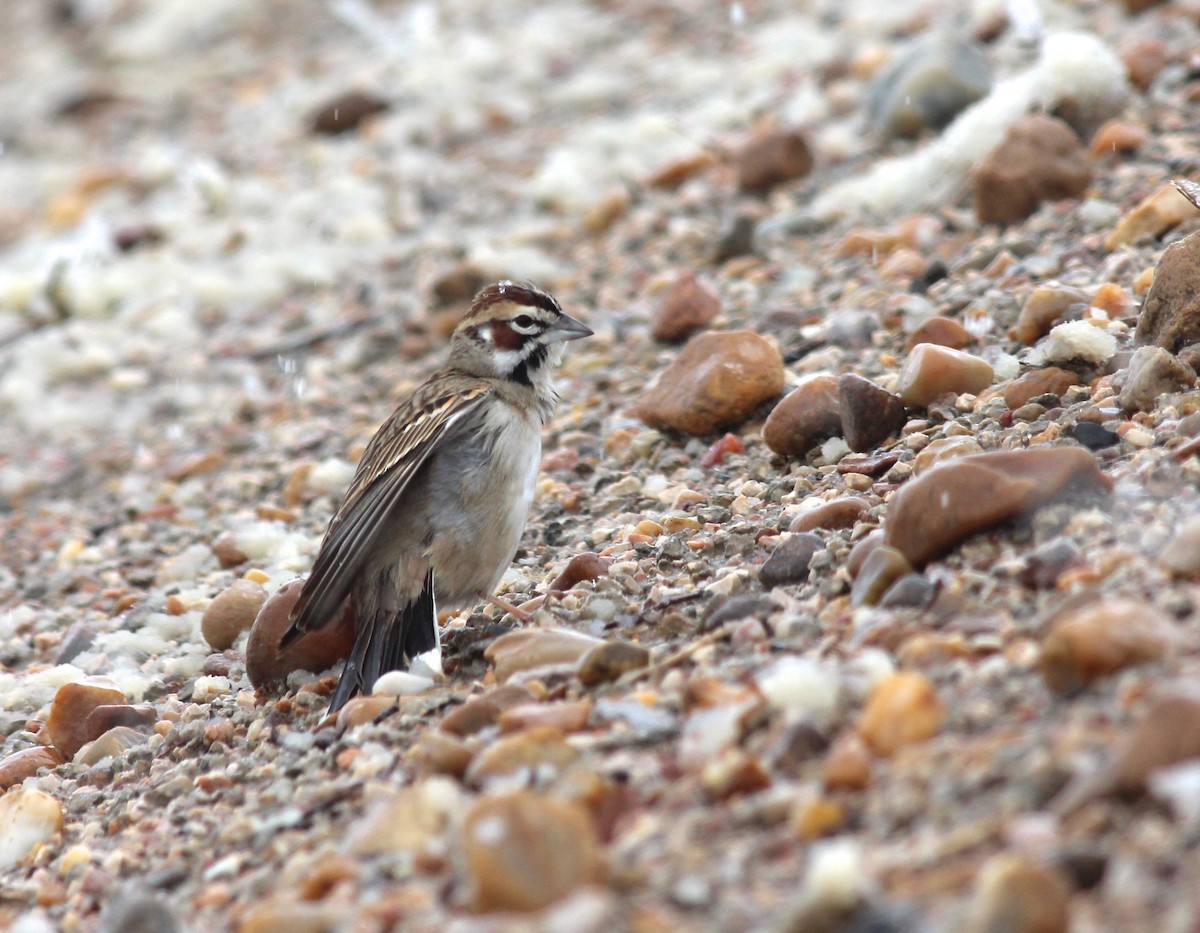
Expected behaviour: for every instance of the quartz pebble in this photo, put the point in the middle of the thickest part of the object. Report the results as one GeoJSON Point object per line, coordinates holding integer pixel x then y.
{"type": "Point", "coordinates": [525, 852]}
{"type": "Point", "coordinates": [28, 818]}
{"type": "Point", "coordinates": [932, 371]}
{"type": "Point", "coordinates": [1154, 216]}
{"type": "Point", "coordinates": [771, 158]}
{"type": "Point", "coordinates": [1039, 159]}
{"type": "Point", "coordinates": [902, 709]}
{"type": "Point", "coordinates": [789, 562]}
{"type": "Point", "coordinates": [315, 651]}
{"type": "Point", "coordinates": [1016, 895]}
{"type": "Point", "coordinates": [1170, 315]}
{"type": "Point", "coordinates": [525, 649]}
{"type": "Point", "coordinates": [686, 307]}
{"type": "Point", "coordinates": [807, 415]}
{"type": "Point", "coordinates": [718, 381]}
{"type": "Point", "coordinates": [1045, 306]}
{"type": "Point", "coordinates": [1100, 639]}
{"type": "Point", "coordinates": [112, 743]}
{"type": "Point", "coordinates": [232, 612]}
{"type": "Point", "coordinates": [869, 414]}
{"type": "Point", "coordinates": [66, 726]}
{"type": "Point", "coordinates": [1153, 373]}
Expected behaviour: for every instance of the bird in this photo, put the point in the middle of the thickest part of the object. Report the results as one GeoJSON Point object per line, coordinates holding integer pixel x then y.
{"type": "Point", "coordinates": [440, 498]}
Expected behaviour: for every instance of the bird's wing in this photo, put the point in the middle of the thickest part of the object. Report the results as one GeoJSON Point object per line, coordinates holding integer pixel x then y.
{"type": "Point", "coordinates": [392, 458]}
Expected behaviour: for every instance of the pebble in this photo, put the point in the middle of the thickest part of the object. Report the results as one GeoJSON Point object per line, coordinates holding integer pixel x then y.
{"type": "Point", "coordinates": [1101, 638]}
{"type": "Point", "coordinates": [936, 510]}
{"type": "Point", "coordinates": [315, 651]}
{"type": "Point", "coordinates": [134, 908]}
{"type": "Point", "coordinates": [902, 709]}
{"type": "Point", "coordinates": [944, 331]}
{"type": "Point", "coordinates": [581, 567]}
{"type": "Point", "coordinates": [717, 382]}
{"type": "Point", "coordinates": [932, 371]}
{"type": "Point", "coordinates": [1151, 218]}
{"type": "Point", "coordinates": [1143, 57]}
{"type": "Point", "coordinates": [927, 85]}
{"type": "Point", "coordinates": [18, 766]}
{"type": "Point", "coordinates": [67, 725]}
{"type": "Point", "coordinates": [1181, 556]}
{"type": "Point", "coordinates": [772, 157]}
{"type": "Point", "coordinates": [814, 817]}
{"type": "Point", "coordinates": [843, 512]}
{"type": "Point", "coordinates": [111, 744]}
{"type": "Point", "coordinates": [438, 752]}
{"type": "Point", "coordinates": [805, 417]}
{"type": "Point", "coordinates": [481, 711]}
{"type": "Point", "coordinates": [1167, 733]}
{"type": "Point", "coordinates": [28, 818]}
{"type": "Point", "coordinates": [1074, 340]}
{"type": "Point", "coordinates": [943, 449]}
{"type": "Point", "coordinates": [1116, 137]}
{"type": "Point", "coordinates": [1170, 315]}
{"type": "Point", "coordinates": [1039, 159]}
{"type": "Point", "coordinates": [232, 612]}
{"type": "Point", "coordinates": [800, 689]}
{"type": "Point", "coordinates": [404, 819]}
{"type": "Point", "coordinates": [688, 306]}
{"type": "Point", "coordinates": [1094, 436]}
{"type": "Point", "coordinates": [525, 852]}
{"type": "Point", "coordinates": [1017, 895]}
{"type": "Point", "coordinates": [910, 590]}
{"type": "Point", "coordinates": [608, 661]}
{"type": "Point", "coordinates": [848, 764]}
{"type": "Point", "coordinates": [883, 566]}
{"type": "Point", "coordinates": [362, 709]}
{"type": "Point", "coordinates": [1153, 373]}
{"type": "Point", "coordinates": [286, 916]}
{"type": "Point", "coordinates": [1048, 562]}
{"type": "Point", "coordinates": [566, 716]}
{"type": "Point", "coordinates": [1045, 306]}
{"type": "Point", "coordinates": [525, 649]}
{"type": "Point", "coordinates": [345, 112]}
{"type": "Point", "coordinates": [789, 562]}
{"type": "Point", "coordinates": [1050, 380]}
{"type": "Point", "coordinates": [536, 754]}
{"type": "Point", "coordinates": [869, 414]}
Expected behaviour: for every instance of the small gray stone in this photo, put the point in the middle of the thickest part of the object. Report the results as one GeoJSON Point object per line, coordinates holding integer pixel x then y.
{"type": "Point", "coordinates": [1152, 373]}
{"type": "Point", "coordinates": [870, 414]}
{"type": "Point", "coordinates": [789, 562]}
{"type": "Point", "coordinates": [927, 86]}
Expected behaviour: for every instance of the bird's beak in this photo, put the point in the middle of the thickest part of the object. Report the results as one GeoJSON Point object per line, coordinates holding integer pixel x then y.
{"type": "Point", "coordinates": [567, 328]}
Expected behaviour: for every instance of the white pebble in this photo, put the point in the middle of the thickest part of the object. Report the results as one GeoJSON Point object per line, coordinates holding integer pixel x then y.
{"type": "Point", "coordinates": [28, 818]}
{"type": "Point", "coordinates": [801, 689]}
{"type": "Point", "coordinates": [331, 476]}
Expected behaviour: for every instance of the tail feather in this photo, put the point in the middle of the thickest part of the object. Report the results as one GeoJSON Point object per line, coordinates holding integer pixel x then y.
{"type": "Point", "coordinates": [387, 641]}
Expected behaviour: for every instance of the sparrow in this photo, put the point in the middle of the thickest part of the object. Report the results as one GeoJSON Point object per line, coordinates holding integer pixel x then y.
{"type": "Point", "coordinates": [441, 495]}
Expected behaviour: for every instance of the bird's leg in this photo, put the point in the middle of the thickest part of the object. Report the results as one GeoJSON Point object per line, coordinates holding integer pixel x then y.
{"type": "Point", "coordinates": [505, 606]}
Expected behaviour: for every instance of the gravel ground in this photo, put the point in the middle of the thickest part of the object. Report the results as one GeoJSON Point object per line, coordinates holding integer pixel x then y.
{"type": "Point", "coordinates": [731, 714]}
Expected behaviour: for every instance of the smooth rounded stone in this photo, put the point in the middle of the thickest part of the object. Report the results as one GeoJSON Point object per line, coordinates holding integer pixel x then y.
{"type": "Point", "coordinates": [227, 552]}
{"type": "Point", "coordinates": [538, 751]}
{"type": "Point", "coordinates": [789, 562]}
{"type": "Point", "coordinates": [608, 661]}
{"type": "Point", "coordinates": [525, 649]}
{"type": "Point", "coordinates": [363, 709]}
{"type": "Point", "coordinates": [1039, 159]}
{"type": "Point", "coordinates": [1151, 218]}
{"type": "Point", "coordinates": [869, 414]}
{"type": "Point", "coordinates": [109, 716]}
{"type": "Point", "coordinates": [345, 112]}
{"type": "Point", "coordinates": [927, 85]}
{"type": "Point", "coordinates": [736, 236]}
{"type": "Point", "coordinates": [848, 764]}
{"type": "Point", "coordinates": [525, 852]}
{"type": "Point", "coordinates": [580, 568]}
{"type": "Point", "coordinates": [933, 512]}
{"type": "Point", "coordinates": [687, 307]}
{"type": "Point", "coordinates": [1048, 562]}
{"type": "Point", "coordinates": [281, 915]}
{"type": "Point", "coordinates": [902, 709]}
{"type": "Point", "coordinates": [1051, 380]}
{"type": "Point", "coordinates": [1170, 315]}
{"type": "Point", "coordinates": [909, 591]}
{"type": "Point", "coordinates": [1167, 733]}
{"type": "Point", "coordinates": [481, 711]}
{"type": "Point", "coordinates": [137, 909]}
{"type": "Point", "coordinates": [800, 689]}
{"type": "Point", "coordinates": [1101, 638]}
{"type": "Point", "coordinates": [862, 550]}
{"type": "Point", "coordinates": [112, 743]}
{"type": "Point", "coordinates": [932, 371]}
{"type": "Point", "coordinates": [1153, 373]}
{"type": "Point", "coordinates": [66, 726]}
{"type": "Point", "coordinates": [944, 449]}
{"type": "Point", "coordinates": [843, 512]}
{"type": "Point", "coordinates": [405, 819]}
{"type": "Point", "coordinates": [806, 416]}
{"type": "Point", "coordinates": [18, 766]}
{"type": "Point", "coordinates": [943, 331]}
{"type": "Point", "coordinates": [28, 818]}
{"type": "Point", "coordinates": [883, 567]}
{"type": "Point", "coordinates": [438, 752]}
{"type": "Point", "coordinates": [717, 382]}
{"type": "Point", "coordinates": [733, 773]}
{"type": "Point", "coordinates": [1117, 138]}
{"type": "Point", "coordinates": [232, 612]}
{"type": "Point", "coordinates": [1181, 556]}
{"type": "Point", "coordinates": [772, 157]}
{"type": "Point", "coordinates": [1017, 895]}
{"type": "Point", "coordinates": [1045, 307]}
{"type": "Point", "coordinates": [315, 651]}
{"type": "Point", "coordinates": [566, 716]}
{"type": "Point", "coordinates": [1094, 436]}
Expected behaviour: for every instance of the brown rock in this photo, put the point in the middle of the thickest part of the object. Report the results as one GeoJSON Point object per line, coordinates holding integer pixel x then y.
{"type": "Point", "coordinates": [869, 414]}
{"type": "Point", "coordinates": [232, 612]}
{"type": "Point", "coordinates": [942, 449]}
{"type": "Point", "coordinates": [345, 112]}
{"type": "Point", "coordinates": [610, 660]}
{"type": "Point", "coordinates": [862, 550]}
{"type": "Point", "coordinates": [439, 752]}
{"type": "Point", "coordinates": [1117, 137]}
{"type": "Point", "coordinates": [360, 709]}
{"type": "Point", "coordinates": [848, 764]}
{"type": "Point", "coordinates": [539, 750]}
{"type": "Point", "coordinates": [1045, 307]}
{"type": "Point", "coordinates": [525, 852]}
{"type": "Point", "coordinates": [479, 712]}
{"type": "Point", "coordinates": [1101, 638]}
{"type": "Point", "coordinates": [525, 649]}
{"type": "Point", "coordinates": [585, 566]}
{"type": "Point", "coordinates": [944, 331]}
{"type": "Point", "coordinates": [902, 709]}
{"type": "Point", "coordinates": [279, 915]}
{"type": "Point", "coordinates": [718, 381]}
{"type": "Point", "coordinates": [565, 717]}
{"type": "Point", "coordinates": [687, 307]}
{"type": "Point", "coordinates": [1016, 895]}
{"type": "Point", "coordinates": [1039, 159]}
{"type": "Point", "coordinates": [844, 512]}
{"type": "Point", "coordinates": [733, 773]}
{"type": "Point", "coordinates": [1039, 382]}
{"type": "Point", "coordinates": [807, 415]}
{"type": "Point", "coordinates": [789, 562]}
{"type": "Point", "coordinates": [1167, 733]}
{"type": "Point", "coordinates": [932, 371]}
{"type": "Point", "coordinates": [772, 158]}
{"type": "Point", "coordinates": [26, 763]}
{"type": "Point", "coordinates": [108, 716]}
{"type": "Point", "coordinates": [112, 743]}
{"type": "Point", "coordinates": [936, 510]}
{"type": "Point", "coordinates": [1144, 58]}
{"type": "Point", "coordinates": [316, 651]}
{"type": "Point", "coordinates": [405, 819]}
{"type": "Point", "coordinates": [1153, 216]}
{"type": "Point", "coordinates": [1170, 315]}
{"type": "Point", "coordinates": [1181, 556]}
{"type": "Point", "coordinates": [66, 726]}
{"type": "Point", "coordinates": [1153, 373]}
{"type": "Point", "coordinates": [883, 566]}
{"type": "Point", "coordinates": [228, 553]}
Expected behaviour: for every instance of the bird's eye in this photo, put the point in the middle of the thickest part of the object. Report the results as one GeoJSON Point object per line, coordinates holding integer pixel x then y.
{"type": "Point", "coordinates": [523, 322]}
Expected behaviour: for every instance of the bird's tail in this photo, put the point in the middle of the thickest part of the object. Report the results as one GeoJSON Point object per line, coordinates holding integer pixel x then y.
{"type": "Point", "coordinates": [387, 640]}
